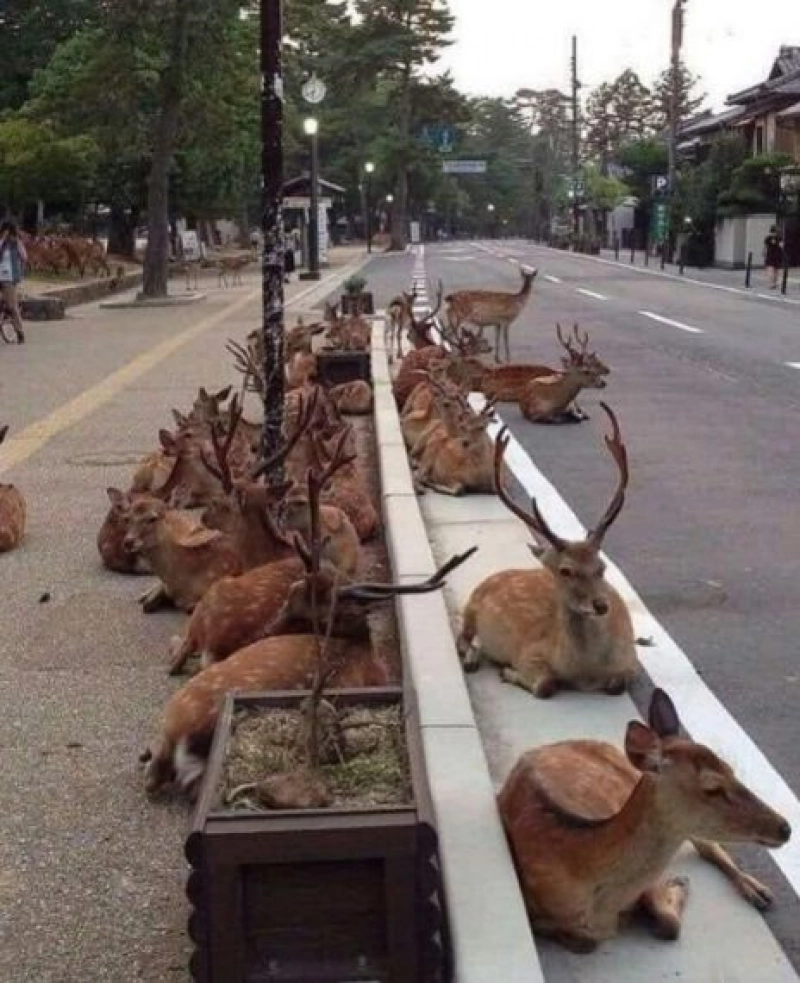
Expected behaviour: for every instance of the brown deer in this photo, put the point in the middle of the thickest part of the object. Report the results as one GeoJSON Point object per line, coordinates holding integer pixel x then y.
{"type": "Point", "coordinates": [490, 308]}
{"type": "Point", "coordinates": [284, 661]}
{"type": "Point", "coordinates": [593, 830]}
{"type": "Point", "coordinates": [399, 314]}
{"type": "Point", "coordinates": [550, 399]}
{"type": "Point", "coordinates": [111, 537]}
{"type": "Point", "coordinates": [12, 512]}
{"type": "Point", "coordinates": [231, 266]}
{"type": "Point", "coordinates": [460, 461]}
{"type": "Point", "coordinates": [562, 625]}
{"type": "Point", "coordinates": [353, 398]}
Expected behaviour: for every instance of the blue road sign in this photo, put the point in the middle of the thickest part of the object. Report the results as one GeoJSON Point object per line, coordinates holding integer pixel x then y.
{"type": "Point", "coordinates": [439, 136]}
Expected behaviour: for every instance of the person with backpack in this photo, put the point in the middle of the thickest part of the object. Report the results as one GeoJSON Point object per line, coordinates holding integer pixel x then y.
{"type": "Point", "coordinates": [773, 256]}
{"type": "Point", "coordinates": [13, 258]}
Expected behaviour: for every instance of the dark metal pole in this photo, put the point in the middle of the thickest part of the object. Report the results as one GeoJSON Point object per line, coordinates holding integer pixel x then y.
{"type": "Point", "coordinates": [646, 250]}
{"type": "Point", "coordinates": [368, 186]}
{"type": "Point", "coordinates": [272, 226]}
{"type": "Point", "coordinates": [575, 138]}
{"type": "Point", "coordinates": [616, 248]}
{"type": "Point", "coordinates": [785, 281]}
{"type": "Point", "coordinates": [683, 258]}
{"type": "Point", "coordinates": [633, 245]}
{"type": "Point", "coordinates": [748, 273]}
{"type": "Point", "coordinates": [674, 96]}
{"type": "Point", "coordinates": [313, 225]}
{"type": "Point", "coordinates": [663, 253]}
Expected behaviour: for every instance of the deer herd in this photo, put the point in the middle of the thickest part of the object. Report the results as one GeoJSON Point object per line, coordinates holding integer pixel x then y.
{"type": "Point", "coordinates": [259, 552]}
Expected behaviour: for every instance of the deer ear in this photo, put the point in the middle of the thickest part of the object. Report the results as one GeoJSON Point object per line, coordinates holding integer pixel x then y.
{"type": "Point", "coordinates": [3, 433]}
{"type": "Point", "coordinates": [663, 716]}
{"type": "Point", "coordinates": [195, 538]}
{"type": "Point", "coordinates": [167, 440]}
{"type": "Point", "coordinates": [643, 747]}
{"type": "Point", "coordinates": [180, 418]}
{"type": "Point", "coordinates": [223, 394]}
{"type": "Point", "coordinates": [115, 496]}
{"type": "Point", "coordinates": [201, 393]}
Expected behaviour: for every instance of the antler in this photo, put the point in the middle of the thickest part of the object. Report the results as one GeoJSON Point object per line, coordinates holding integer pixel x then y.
{"type": "Point", "coordinates": [305, 416]}
{"type": "Point", "coordinates": [439, 294]}
{"type": "Point", "coordinates": [582, 341]}
{"type": "Point", "coordinates": [618, 451]}
{"type": "Point", "coordinates": [566, 343]}
{"type": "Point", "coordinates": [222, 469]}
{"type": "Point", "coordinates": [245, 362]}
{"type": "Point", "coordinates": [533, 520]}
{"type": "Point", "coordinates": [381, 592]}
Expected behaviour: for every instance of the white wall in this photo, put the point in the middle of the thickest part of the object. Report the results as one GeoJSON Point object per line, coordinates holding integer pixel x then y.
{"type": "Point", "coordinates": [758, 227]}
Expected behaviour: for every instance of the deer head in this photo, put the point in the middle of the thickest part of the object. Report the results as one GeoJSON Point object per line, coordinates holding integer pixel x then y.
{"type": "Point", "coordinates": [576, 567]}
{"type": "Point", "coordinates": [696, 786]}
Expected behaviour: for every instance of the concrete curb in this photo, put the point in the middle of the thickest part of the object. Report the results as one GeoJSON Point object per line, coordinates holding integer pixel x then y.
{"type": "Point", "coordinates": [491, 934]}
{"type": "Point", "coordinates": [85, 293]}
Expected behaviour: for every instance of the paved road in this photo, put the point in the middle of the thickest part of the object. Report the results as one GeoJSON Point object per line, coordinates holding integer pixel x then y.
{"type": "Point", "coordinates": [710, 411]}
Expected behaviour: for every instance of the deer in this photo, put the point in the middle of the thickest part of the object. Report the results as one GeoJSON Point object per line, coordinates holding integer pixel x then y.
{"type": "Point", "coordinates": [111, 537]}
{"type": "Point", "coordinates": [461, 461]}
{"type": "Point", "coordinates": [235, 611]}
{"type": "Point", "coordinates": [232, 265]}
{"type": "Point", "coordinates": [551, 399]}
{"type": "Point", "coordinates": [562, 625]}
{"type": "Point", "coordinates": [352, 398]}
{"type": "Point", "coordinates": [285, 660]}
{"type": "Point", "coordinates": [421, 409]}
{"type": "Point", "coordinates": [13, 512]}
{"type": "Point", "coordinates": [593, 830]}
{"type": "Point", "coordinates": [399, 314]}
{"type": "Point", "coordinates": [490, 308]}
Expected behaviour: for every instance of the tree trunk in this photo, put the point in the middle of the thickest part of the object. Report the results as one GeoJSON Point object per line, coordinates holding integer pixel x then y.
{"type": "Point", "coordinates": [122, 232]}
{"type": "Point", "coordinates": [399, 237]}
{"type": "Point", "coordinates": [156, 273]}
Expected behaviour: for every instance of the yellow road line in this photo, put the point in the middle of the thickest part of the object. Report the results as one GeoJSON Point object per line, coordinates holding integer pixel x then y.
{"type": "Point", "coordinates": [21, 446]}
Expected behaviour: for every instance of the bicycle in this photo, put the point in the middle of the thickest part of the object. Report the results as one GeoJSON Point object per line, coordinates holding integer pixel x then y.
{"type": "Point", "coordinates": [7, 330]}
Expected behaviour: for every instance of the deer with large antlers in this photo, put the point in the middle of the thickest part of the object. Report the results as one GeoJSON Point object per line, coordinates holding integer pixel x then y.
{"type": "Point", "coordinates": [283, 661]}
{"type": "Point", "coordinates": [12, 512]}
{"type": "Point", "coordinates": [490, 309]}
{"type": "Point", "coordinates": [593, 830]}
{"type": "Point", "coordinates": [562, 625]}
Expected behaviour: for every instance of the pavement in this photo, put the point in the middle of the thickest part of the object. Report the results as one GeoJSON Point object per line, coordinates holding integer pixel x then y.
{"type": "Point", "coordinates": [705, 382]}
{"type": "Point", "coordinates": [91, 873]}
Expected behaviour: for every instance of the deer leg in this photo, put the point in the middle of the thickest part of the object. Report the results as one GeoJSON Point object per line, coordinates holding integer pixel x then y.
{"type": "Point", "coordinates": [180, 650]}
{"type": "Point", "coordinates": [536, 679]}
{"type": "Point", "coordinates": [455, 491]}
{"type": "Point", "coordinates": [468, 651]}
{"type": "Point", "coordinates": [664, 904]}
{"type": "Point", "coordinates": [506, 328]}
{"type": "Point", "coordinates": [155, 598]}
{"type": "Point", "coordinates": [752, 890]}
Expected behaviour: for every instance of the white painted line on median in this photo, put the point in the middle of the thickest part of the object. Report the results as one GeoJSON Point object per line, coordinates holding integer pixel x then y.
{"type": "Point", "coordinates": [590, 293]}
{"type": "Point", "coordinates": [552, 279]}
{"type": "Point", "coordinates": [671, 323]}
{"type": "Point", "coordinates": [793, 365]}
{"type": "Point", "coordinates": [668, 666]}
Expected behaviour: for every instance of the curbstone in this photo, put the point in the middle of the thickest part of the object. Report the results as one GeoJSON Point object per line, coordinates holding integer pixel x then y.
{"type": "Point", "coordinates": [409, 549]}
{"type": "Point", "coordinates": [395, 471]}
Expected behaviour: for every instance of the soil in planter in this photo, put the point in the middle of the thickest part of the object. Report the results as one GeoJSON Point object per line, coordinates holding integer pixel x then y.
{"type": "Point", "coordinates": [367, 764]}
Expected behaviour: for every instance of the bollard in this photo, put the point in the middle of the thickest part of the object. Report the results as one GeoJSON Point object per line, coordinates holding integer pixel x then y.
{"type": "Point", "coordinates": [785, 281]}
{"type": "Point", "coordinates": [646, 253]}
{"type": "Point", "coordinates": [748, 273]}
{"type": "Point", "coordinates": [682, 260]}
{"type": "Point", "coordinates": [633, 250]}
{"type": "Point", "coordinates": [663, 255]}
{"type": "Point", "coordinates": [616, 248]}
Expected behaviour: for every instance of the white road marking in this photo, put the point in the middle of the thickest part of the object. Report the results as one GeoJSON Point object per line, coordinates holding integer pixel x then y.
{"type": "Point", "coordinates": [552, 279]}
{"type": "Point", "coordinates": [671, 323]}
{"type": "Point", "coordinates": [793, 365]}
{"type": "Point", "coordinates": [514, 262]}
{"type": "Point", "coordinates": [590, 293]}
{"type": "Point", "coordinates": [668, 666]}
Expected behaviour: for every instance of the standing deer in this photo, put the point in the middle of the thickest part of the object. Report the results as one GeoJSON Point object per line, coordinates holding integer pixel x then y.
{"type": "Point", "coordinates": [593, 830]}
{"type": "Point", "coordinates": [12, 512]}
{"type": "Point", "coordinates": [399, 314]}
{"type": "Point", "coordinates": [490, 308]}
{"type": "Point", "coordinates": [562, 625]}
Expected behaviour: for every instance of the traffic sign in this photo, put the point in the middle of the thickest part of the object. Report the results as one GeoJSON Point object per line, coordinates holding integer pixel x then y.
{"type": "Point", "coordinates": [439, 136]}
{"type": "Point", "coordinates": [659, 225]}
{"type": "Point", "coordinates": [660, 184]}
{"type": "Point", "coordinates": [464, 166]}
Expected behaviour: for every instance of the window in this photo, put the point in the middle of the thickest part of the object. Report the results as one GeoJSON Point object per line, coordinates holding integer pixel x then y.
{"type": "Point", "coordinates": [759, 148]}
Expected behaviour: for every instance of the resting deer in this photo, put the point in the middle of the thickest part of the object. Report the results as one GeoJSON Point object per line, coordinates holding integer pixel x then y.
{"type": "Point", "coordinates": [111, 537]}
{"type": "Point", "coordinates": [461, 461]}
{"type": "Point", "coordinates": [593, 830]}
{"type": "Point", "coordinates": [490, 308]}
{"type": "Point", "coordinates": [12, 512]}
{"type": "Point", "coordinates": [284, 661]}
{"type": "Point", "coordinates": [562, 625]}
{"type": "Point", "coordinates": [352, 398]}
{"type": "Point", "coordinates": [550, 399]}
{"type": "Point", "coordinates": [398, 319]}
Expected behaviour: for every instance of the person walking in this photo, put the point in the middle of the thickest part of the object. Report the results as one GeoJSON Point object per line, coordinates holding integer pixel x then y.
{"type": "Point", "coordinates": [773, 256]}
{"type": "Point", "coordinates": [13, 258]}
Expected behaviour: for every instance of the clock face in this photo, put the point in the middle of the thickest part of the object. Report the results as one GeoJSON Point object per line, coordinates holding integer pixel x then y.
{"type": "Point", "coordinates": [314, 90]}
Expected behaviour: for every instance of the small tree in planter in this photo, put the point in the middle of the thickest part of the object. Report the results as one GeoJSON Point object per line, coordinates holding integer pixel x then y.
{"type": "Point", "coordinates": [299, 886]}
{"type": "Point", "coordinates": [355, 300]}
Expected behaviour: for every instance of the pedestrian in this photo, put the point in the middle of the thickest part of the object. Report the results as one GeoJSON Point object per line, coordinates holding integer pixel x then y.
{"type": "Point", "coordinates": [13, 258]}
{"type": "Point", "coordinates": [773, 255]}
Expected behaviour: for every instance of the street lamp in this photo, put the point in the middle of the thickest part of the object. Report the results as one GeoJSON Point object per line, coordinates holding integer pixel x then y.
{"type": "Point", "coordinates": [490, 210]}
{"type": "Point", "coordinates": [311, 128]}
{"type": "Point", "coordinates": [369, 167]}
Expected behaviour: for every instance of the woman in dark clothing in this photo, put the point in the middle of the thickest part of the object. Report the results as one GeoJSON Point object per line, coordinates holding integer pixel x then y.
{"type": "Point", "coordinates": [773, 255]}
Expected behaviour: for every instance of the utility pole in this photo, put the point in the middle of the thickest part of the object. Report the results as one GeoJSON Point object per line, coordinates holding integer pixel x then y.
{"type": "Point", "coordinates": [272, 225]}
{"type": "Point", "coordinates": [576, 138]}
{"type": "Point", "coordinates": [674, 95]}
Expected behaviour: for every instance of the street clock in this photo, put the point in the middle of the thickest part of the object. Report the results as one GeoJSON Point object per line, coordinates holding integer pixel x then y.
{"type": "Point", "coordinates": [314, 90]}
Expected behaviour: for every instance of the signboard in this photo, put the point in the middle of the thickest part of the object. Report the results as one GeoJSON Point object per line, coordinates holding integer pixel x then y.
{"type": "Point", "coordinates": [438, 136]}
{"type": "Point", "coordinates": [464, 166]}
{"type": "Point", "coordinates": [191, 246]}
{"type": "Point", "coordinates": [659, 223]}
{"type": "Point", "coordinates": [660, 184]}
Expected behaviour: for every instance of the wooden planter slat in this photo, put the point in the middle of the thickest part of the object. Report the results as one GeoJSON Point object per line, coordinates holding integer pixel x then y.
{"type": "Point", "coordinates": [337, 367]}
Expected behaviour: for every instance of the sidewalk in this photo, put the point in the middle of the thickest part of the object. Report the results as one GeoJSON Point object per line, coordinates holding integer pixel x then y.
{"type": "Point", "coordinates": [91, 872]}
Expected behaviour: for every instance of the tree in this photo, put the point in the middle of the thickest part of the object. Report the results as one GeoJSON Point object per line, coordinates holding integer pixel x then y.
{"type": "Point", "coordinates": [617, 113]}
{"type": "Point", "coordinates": [398, 38]}
{"type": "Point", "coordinates": [689, 101]}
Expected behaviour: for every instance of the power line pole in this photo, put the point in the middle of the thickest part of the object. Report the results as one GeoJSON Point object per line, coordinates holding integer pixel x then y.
{"type": "Point", "coordinates": [576, 137]}
{"type": "Point", "coordinates": [272, 224]}
{"type": "Point", "coordinates": [674, 94]}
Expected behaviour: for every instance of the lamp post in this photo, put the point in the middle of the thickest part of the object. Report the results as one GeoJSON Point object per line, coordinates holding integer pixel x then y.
{"type": "Point", "coordinates": [490, 212]}
{"type": "Point", "coordinates": [389, 203]}
{"type": "Point", "coordinates": [369, 167]}
{"type": "Point", "coordinates": [311, 128]}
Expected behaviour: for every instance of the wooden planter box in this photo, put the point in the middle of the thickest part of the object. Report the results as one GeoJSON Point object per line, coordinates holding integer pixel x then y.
{"type": "Point", "coordinates": [358, 303]}
{"type": "Point", "coordinates": [316, 896]}
{"type": "Point", "coordinates": [336, 367]}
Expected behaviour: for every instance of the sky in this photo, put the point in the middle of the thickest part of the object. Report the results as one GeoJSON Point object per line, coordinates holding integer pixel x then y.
{"type": "Point", "coordinates": [504, 45]}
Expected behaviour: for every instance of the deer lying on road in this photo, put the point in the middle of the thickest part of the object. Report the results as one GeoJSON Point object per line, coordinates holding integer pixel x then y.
{"type": "Point", "coordinates": [561, 625]}
{"type": "Point", "coordinates": [111, 537]}
{"type": "Point", "coordinates": [12, 512]}
{"type": "Point", "coordinates": [550, 399]}
{"type": "Point", "coordinates": [593, 830]}
{"type": "Point", "coordinates": [490, 308]}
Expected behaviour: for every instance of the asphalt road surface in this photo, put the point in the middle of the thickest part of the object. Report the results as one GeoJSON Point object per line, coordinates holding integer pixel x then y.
{"type": "Point", "coordinates": [709, 403]}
